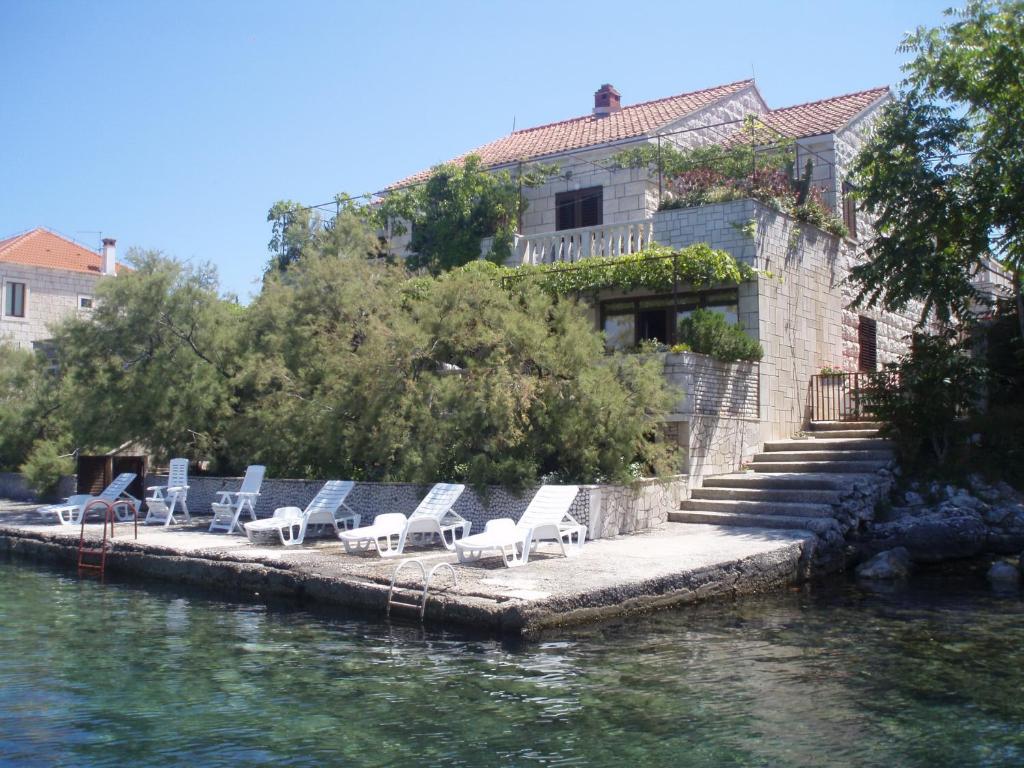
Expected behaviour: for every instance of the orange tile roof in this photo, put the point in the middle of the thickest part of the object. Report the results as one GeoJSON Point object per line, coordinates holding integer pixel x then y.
{"type": "Point", "coordinates": [630, 122]}
{"type": "Point", "coordinates": [810, 119]}
{"type": "Point", "coordinates": [42, 248]}
{"type": "Point", "coordinates": [819, 117]}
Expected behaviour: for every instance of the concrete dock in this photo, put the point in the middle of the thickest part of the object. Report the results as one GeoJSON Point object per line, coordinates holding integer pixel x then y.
{"type": "Point", "coordinates": [675, 564]}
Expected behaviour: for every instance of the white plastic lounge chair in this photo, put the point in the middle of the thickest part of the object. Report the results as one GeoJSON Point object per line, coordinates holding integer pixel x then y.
{"type": "Point", "coordinates": [160, 506]}
{"type": "Point", "coordinates": [546, 518]}
{"type": "Point", "coordinates": [289, 525]}
{"type": "Point", "coordinates": [229, 508]}
{"type": "Point", "coordinates": [70, 511]}
{"type": "Point", "coordinates": [433, 518]}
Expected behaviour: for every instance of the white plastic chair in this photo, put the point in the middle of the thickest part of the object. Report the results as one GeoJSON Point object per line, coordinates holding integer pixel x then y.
{"type": "Point", "coordinates": [289, 525]}
{"type": "Point", "coordinates": [229, 507]}
{"type": "Point", "coordinates": [160, 506]}
{"type": "Point", "coordinates": [546, 518]}
{"type": "Point", "coordinates": [432, 519]}
{"type": "Point", "coordinates": [70, 511]}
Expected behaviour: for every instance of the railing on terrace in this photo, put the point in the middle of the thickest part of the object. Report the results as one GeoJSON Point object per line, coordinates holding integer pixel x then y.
{"type": "Point", "coordinates": [584, 242]}
{"type": "Point", "coordinates": [840, 396]}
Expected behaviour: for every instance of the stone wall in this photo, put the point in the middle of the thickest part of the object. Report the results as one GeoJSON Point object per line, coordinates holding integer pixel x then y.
{"type": "Point", "coordinates": [719, 413]}
{"type": "Point", "coordinates": [50, 296]}
{"type": "Point", "coordinates": [605, 510]}
{"type": "Point", "coordinates": [14, 486]}
{"type": "Point", "coordinates": [617, 509]}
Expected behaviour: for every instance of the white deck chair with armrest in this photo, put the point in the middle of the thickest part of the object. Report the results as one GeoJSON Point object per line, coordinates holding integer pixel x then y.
{"type": "Point", "coordinates": [164, 499]}
{"type": "Point", "coordinates": [228, 509]}
{"type": "Point", "coordinates": [546, 518]}
{"type": "Point", "coordinates": [289, 525]}
{"type": "Point", "coordinates": [70, 511]}
{"type": "Point", "coordinates": [432, 519]}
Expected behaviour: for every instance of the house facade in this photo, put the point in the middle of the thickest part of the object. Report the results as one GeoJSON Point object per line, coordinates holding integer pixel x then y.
{"type": "Point", "coordinates": [46, 278]}
{"type": "Point", "coordinates": [797, 307]}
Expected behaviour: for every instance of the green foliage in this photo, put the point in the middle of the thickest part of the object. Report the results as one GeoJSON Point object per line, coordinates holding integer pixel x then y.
{"type": "Point", "coordinates": [925, 397]}
{"type": "Point", "coordinates": [28, 405]}
{"type": "Point", "coordinates": [709, 333]}
{"type": "Point", "coordinates": [717, 174]}
{"type": "Point", "coordinates": [657, 268]}
{"type": "Point", "coordinates": [943, 172]}
{"type": "Point", "coordinates": [154, 361]}
{"type": "Point", "coordinates": [363, 373]}
{"type": "Point", "coordinates": [458, 206]}
{"type": "Point", "coordinates": [44, 467]}
{"type": "Point", "coordinates": [298, 230]}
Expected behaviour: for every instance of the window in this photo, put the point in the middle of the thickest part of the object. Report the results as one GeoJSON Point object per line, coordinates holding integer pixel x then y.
{"type": "Point", "coordinates": [849, 210]}
{"type": "Point", "coordinates": [14, 299]}
{"type": "Point", "coordinates": [867, 335]}
{"type": "Point", "coordinates": [627, 322]}
{"type": "Point", "coordinates": [85, 302]}
{"type": "Point", "coordinates": [581, 208]}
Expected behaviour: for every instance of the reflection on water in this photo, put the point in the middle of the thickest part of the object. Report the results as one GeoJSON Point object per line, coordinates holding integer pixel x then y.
{"type": "Point", "coordinates": [121, 675]}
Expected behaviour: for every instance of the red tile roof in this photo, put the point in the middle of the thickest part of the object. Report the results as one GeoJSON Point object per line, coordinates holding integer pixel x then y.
{"type": "Point", "coordinates": [819, 117]}
{"type": "Point", "coordinates": [42, 248]}
{"type": "Point", "coordinates": [634, 121]}
{"type": "Point", "coordinates": [588, 131]}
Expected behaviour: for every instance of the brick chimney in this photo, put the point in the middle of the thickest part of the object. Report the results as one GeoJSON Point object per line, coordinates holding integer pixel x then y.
{"type": "Point", "coordinates": [109, 256]}
{"type": "Point", "coordinates": [606, 101]}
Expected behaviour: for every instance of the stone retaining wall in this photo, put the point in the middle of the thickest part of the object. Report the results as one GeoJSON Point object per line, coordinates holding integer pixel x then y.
{"type": "Point", "coordinates": [605, 510]}
{"type": "Point", "coordinates": [14, 486]}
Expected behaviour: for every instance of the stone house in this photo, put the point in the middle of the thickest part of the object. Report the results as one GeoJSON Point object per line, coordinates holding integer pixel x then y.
{"type": "Point", "coordinates": [45, 278]}
{"type": "Point", "coordinates": [797, 309]}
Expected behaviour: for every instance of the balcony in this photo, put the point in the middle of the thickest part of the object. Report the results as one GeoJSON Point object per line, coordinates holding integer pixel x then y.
{"type": "Point", "coordinates": [569, 245]}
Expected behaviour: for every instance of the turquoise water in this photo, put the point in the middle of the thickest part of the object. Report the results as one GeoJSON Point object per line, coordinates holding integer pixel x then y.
{"type": "Point", "coordinates": [119, 674]}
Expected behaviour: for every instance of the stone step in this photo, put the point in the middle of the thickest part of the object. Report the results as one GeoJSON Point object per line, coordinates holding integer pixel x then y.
{"type": "Point", "coordinates": [830, 444]}
{"type": "Point", "coordinates": [847, 433]}
{"type": "Point", "coordinates": [842, 467]}
{"type": "Point", "coordinates": [772, 508]}
{"type": "Point", "coordinates": [790, 495]}
{"type": "Point", "coordinates": [824, 455]}
{"type": "Point", "coordinates": [831, 426]}
{"type": "Point", "coordinates": [817, 481]}
{"type": "Point", "coordinates": [753, 521]}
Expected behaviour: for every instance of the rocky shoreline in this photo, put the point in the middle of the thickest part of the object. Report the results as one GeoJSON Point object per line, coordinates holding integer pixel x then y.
{"type": "Point", "coordinates": [935, 522]}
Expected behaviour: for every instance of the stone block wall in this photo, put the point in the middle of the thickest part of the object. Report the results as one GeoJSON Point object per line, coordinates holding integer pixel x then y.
{"type": "Point", "coordinates": [719, 413]}
{"type": "Point", "coordinates": [605, 510]}
{"type": "Point", "coordinates": [14, 486]}
{"type": "Point", "coordinates": [51, 296]}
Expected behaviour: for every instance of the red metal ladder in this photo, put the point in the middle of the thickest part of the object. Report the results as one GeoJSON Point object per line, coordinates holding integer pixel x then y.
{"type": "Point", "coordinates": [95, 558]}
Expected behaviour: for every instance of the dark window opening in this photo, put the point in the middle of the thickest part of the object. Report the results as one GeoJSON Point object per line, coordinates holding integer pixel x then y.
{"type": "Point", "coordinates": [849, 210]}
{"type": "Point", "coordinates": [14, 299]}
{"type": "Point", "coordinates": [580, 208]}
{"type": "Point", "coordinates": [867, 335]}
{"type": "Point", "coordinates": [627, 322]}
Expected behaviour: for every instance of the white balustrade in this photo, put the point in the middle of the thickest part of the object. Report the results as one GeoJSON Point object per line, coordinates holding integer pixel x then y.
{"type": "Point", "coordinates": [570, 245]}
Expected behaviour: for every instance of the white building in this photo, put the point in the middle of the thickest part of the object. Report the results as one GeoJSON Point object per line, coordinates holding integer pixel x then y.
{"type": "Point", "coordinates": [46, 278]}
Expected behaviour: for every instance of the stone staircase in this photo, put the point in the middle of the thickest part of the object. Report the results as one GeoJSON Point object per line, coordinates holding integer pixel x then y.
{"type": "Point", "coordinates": [801, 483]}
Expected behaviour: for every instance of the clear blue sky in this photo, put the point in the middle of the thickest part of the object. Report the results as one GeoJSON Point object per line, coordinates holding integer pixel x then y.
{"type": "Point", "coordinates": [176, 125]}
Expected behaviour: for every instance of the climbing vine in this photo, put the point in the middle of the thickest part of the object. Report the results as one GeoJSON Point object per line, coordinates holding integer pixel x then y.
{"type": "Point", "coordinates": [656, 268]}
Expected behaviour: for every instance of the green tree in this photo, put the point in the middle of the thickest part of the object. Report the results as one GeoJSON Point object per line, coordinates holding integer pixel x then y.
{"type": "Point", "coordinates": [458, 206]}
{"type": "Point", "coordinates": [299, 230]}
{"type": "Point", "coordinates": [943, 172]}
{"type": "Point", "coordinates": [29, 406]}
{"type": "Point", "coordinates": [154, 361]}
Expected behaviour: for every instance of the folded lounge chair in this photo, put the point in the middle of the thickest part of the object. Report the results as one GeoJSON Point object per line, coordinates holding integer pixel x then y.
{"type": "Point", "coordinates": [160, 506]}
{"type": "Point", "coordinates": [432, 519]}
{"type": "Point", "coordinates": [546, 518]}
{"type": "Point", "coordinates": [70, 511]}
{"type": "Point", "coordinates": [228, 509]}
{"type": "Point", "coordinates": [289, 525]}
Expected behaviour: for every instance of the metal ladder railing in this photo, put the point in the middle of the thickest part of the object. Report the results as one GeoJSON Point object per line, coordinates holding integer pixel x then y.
{"type": "Point", "coordinates": [421, 605]}
{"type": "Point", "coordinates": [95, 558]}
